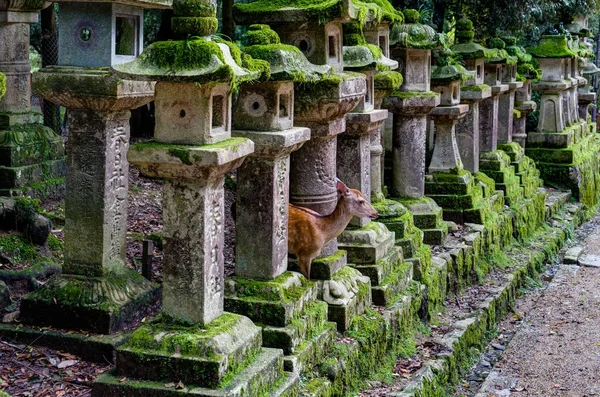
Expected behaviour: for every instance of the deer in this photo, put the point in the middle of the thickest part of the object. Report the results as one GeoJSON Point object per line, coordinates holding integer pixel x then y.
{"type": "Point", "coordinates": [309, 231]}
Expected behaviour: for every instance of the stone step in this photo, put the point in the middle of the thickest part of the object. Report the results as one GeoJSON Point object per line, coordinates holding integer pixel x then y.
{"type": "Point", "coordinates": [253, 380]}
{"type": "Point", "coordinates": [289, 386]}
{"type": "Point", "coordinates": [276, 302]}
{"type": "Point", "coordinates": [368, 244]}
{"type": "Point", "coordinates": [435, 236]}
{"type": "Point", "coordinates": [555, 201]}
{"type": "Point", "coordinates": [572, 255]}
{"type": "Point", "coordinates": [316, 387]}
{"type": "Point", "coordinates": [380, 270]}
{"type": "Point", "coordinates": [394, 285]}
{"type": "Point", "coordinates": [311, 352]}
{"type": "Point", "coordinates": [303, 327]}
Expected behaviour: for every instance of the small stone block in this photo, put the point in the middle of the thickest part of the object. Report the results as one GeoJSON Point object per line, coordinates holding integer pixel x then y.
{"type": "Point", "coordinates": [394, 285]}
{"type": "Point", "coordinates": [313, 352]}
{"type": "Point", "coordinates": [434, 236]}
{"type": "Point", "coordinates": [589, 260]}
{"type": "Point", "coordinates": [383, 267]}
{"type": "Point", "coordinates": [367, 244]}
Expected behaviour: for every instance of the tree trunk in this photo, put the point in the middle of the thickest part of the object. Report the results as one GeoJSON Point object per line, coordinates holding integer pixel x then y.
{"type": "Point", "coordinates": [228, 24]}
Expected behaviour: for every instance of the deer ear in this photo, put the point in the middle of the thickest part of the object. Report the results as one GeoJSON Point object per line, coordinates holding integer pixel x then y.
{"type": "Point", "coordinates": [341, 187]}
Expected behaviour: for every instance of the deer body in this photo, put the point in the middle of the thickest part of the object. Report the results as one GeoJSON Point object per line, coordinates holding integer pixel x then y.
{"type": "Point", "coordinates": [309, 231]}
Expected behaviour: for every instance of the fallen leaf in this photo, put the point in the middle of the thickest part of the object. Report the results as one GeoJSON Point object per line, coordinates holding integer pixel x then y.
{"type": "Point", "coordinates": [124, 379]}
{"type": "Point", "coordinates": [67, 363]}
{"type": "Point", "coordinates": [170, 385]}
{"type": "Point", "coordinates": [179, 385]}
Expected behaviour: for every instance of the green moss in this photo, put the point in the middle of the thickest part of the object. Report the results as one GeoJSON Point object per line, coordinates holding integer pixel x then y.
{"type": "Point", "coordinates": [553, 47]}
{"type": "Point", "coordinates": [476, 87]}
{"type": "Point", "coordinates": [516, 113]}
{"type": "Point", "coordinates": [411, 16]}
{"type": "Point", "coordinates": [389, 13]}
{"type": "Point", "coordinates": [261, 35]}
{"type": "Point", "coordinates": [388, 81]}
{"type": "Point", "coordinates": [182, 55]}
{"type": "Point", "coordinates": [311, 10]}
{"type": "Point", "coordinates": [184, 27]}
{"type": "Point", "coordinates": [276, 290]}
{"type": "Point", "coordinates": [194, 8]}
{"type": "Point", "coordinates": [529, 71]}
{"type": "Point", "coordinates": [21, 252]}
{"type": "Point", "coordinates": [496, 43]}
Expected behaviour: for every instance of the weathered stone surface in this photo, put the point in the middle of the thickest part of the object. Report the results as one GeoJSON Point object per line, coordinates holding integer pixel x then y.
{"type": "Point", "coordinates": [446, 155]}
{"type": "Point", "coordinates": [415, 67]}
{"type": "Point", "coordinates": [99, 88]}
{"type": "Point", "coordinates": [156, 351]}
{"type": "Point", "coordinates": [265, 106]}
{"type": "Point", "coordinates": [261, 252]}
{"type": "Point", "coordinates": [572, 255]}
{"type": "Point", "coordinates": [103, 304]}
{"type": "Point", "coordinates": [505, 113]}
{"type": "Point", "coordinates": [368, 244]}
{"type": "Point", "coordinates": [354, 150]}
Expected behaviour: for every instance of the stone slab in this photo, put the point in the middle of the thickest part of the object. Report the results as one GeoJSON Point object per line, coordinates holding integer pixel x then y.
{"type": "Point", "coordinates": [589, 260]}
{"type": "Point", "coordinates": [572, 255]}
{"type": "Point", "coordinates": [324, 267]}
{"type": "Point", "coordinates": [98, 348]}
{"type": "Point", "coordinates": [260, 375]}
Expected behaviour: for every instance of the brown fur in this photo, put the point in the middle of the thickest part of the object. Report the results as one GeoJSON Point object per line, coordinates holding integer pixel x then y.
{"type": "Point", "coordinates": [308, 231]}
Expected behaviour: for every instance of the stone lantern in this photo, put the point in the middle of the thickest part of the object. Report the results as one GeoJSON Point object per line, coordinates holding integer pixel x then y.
{"type": "Point", "coordinates": [447, 182]}
{"type": "Point", "coordinates": [320, 105]}
{"type": "Point", "coordinates": [98, 103]}
{"type": "Point", "coordinates": [410, 106]}
{"type": "Point", "coordinates": [31, 155]}
{"type": "Point", "coordinates": [472, 93]}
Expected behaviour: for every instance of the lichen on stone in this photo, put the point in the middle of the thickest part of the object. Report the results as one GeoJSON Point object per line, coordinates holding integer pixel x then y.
{"type": "Point", "coordinates": [2, 85]}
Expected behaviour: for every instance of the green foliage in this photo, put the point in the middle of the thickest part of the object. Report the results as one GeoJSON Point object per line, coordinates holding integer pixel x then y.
{"type": "Point", "coordinates": [184, 27]}
{"type": "Point", "coordinates": [388, 81]}
{"type": "Point", "coordinates": [411, 16]}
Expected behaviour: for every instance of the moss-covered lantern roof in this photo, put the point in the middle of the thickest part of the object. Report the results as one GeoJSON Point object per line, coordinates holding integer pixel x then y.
{"type": "Point", "coordinates": [2, 85]}
{"type": "Point", "coordinates": [286, 62]}
{"type": "Point", "coordinates": [497, 52]}
{"type": "Point", "coordinates": [388, 12]}
{"type": "Point", "coordinates": [195, 57]}
{"type": "Point", "coordinates": [590, 69]}
{"type": "Point", "coordinates": [359, 55]}
{"type": "Point", "coordinates": [282, 11]}
{"type": "Point", "coordinates": [388, 81]}
{"type": "Point", "coordinates": [553, 46]}
{"type": "Point", "coordinates": [198, 60]}
{"type": "Point", "coordinates": [466, 48]}
{"type": "Point", "coordinates": [444, 74]}
{"type": "Point", "coordinates": [413, 34]}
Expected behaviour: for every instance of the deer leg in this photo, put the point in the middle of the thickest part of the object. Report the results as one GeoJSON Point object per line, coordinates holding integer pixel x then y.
{"type": "Point", "coordinates": [304, 264]}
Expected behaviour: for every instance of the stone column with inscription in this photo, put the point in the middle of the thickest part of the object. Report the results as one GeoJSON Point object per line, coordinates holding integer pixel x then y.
{"type": "Point", "coordinates": [98, 103]}
{"type": "Point", "coordinates": [523, 106]}
{"type": "Point", "coordinates": [31, 155]}
{"type": "Point", "coordinates": [192, 151]}
{"type": "Point", "coordinates": [410, 106]}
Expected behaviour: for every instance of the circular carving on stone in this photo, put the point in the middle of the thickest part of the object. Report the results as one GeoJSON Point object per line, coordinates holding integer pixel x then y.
{"type": "Point", "coordinates": [304, 43]}
{"type": "Point", "coordinates": [255, 105]}
{"type": "Point", "coordinates": [85, 34]}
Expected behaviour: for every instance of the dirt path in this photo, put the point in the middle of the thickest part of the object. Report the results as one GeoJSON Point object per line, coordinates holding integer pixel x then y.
{"type": "Point", "coordinates": [556, 348]}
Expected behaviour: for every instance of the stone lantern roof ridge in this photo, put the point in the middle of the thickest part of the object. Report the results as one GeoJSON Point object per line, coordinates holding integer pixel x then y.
{"type": "Point", "coordinates": [199, 59]}
{"type": "Point", "coordinates": [553, 46]}
{"type": "Point", "coordinates": [286, 61]}
{"type": "Point", "coordinates": [282, 11]}
{"type": "Point", "coordinates": [139, 3]}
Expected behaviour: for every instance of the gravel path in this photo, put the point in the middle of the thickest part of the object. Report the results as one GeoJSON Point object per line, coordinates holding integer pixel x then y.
{"type": "Point", "coordinates": [556, 348]}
